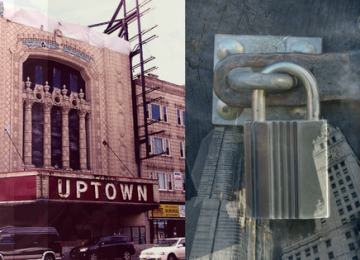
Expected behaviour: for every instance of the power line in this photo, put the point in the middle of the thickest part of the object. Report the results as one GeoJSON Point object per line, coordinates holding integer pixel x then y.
{"type": "Point", "coordinates": [15, 147]}
{"type": "Point", "coordinates": [105, 143]}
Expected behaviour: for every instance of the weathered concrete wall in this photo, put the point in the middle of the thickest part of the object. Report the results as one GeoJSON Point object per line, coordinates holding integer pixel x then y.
{"type": "Point", "coordinates": [336, 21]}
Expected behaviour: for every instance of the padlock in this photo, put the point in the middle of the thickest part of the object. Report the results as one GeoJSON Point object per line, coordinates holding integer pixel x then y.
{"type": "Point", "coordinates": [286, 161]}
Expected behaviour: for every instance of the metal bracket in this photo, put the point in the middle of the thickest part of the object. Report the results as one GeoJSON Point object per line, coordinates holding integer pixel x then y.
{"type": "Point", "coordinates": [225, 45]}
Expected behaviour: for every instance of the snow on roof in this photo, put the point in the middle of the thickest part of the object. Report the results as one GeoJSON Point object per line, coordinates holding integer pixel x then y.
{"type": "Point", "coordinates": [35, 18]}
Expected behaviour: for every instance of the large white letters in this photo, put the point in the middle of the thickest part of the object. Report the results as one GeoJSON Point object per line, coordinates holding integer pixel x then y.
{"type": "Point", "coordinates": [107, 193]}
{"type": "Point", "coordinates": [96, 185]}
{"type": "Point", "coordinates": [67, 185]}
{"type": "Point", "coordinates": [126, 192]}
{"type": "Point", "coordinates": [142, 192]}
{"type": "Point", "coordinates": [80, 189]}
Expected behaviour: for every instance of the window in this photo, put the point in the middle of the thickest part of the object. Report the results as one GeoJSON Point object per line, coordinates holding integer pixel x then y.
{"type": "Point", "coordinates": [182, 154]}
{"type": "Point", "coordinates": [297, 255]}
{"type": "Point", "coordinates": [346, 198]}
{"type": "Point", "coordinates": [315, 249]}
{"type": "Point", "coordinates": [348, 178]}
{"type": "Point", "coordinates": [6, 238]}
{"type": "Point", "coordinates": [161, 177]}
{"type": "Point", "coordinates": [39, 75]}
{"type": "Point", "coordinates": [357, 203]}
{"type": "Point", "coordinates": [170, 181]}
{"type": "Point", "coordinates": [56, 78]}
{"type": "Point", "coordinates": [341, 182]}
{"type": "Point", "coordinates": [158, 145]}
{"type": "Point", "coordinates": [323, 222]}
{"type": "Point", "coordinates": [178, 117]}
{"type": "Point", "coordinates": [329, 170]}
{"type": "Point", "coordinates": [338, 174]}
{"type": "Point", "coordinates": [167, 147]}
{"type": "Point", "coordinates": [183, 118]}
{"type": "Point", "coordinates": [290, 258]}
{"type": "Point", "coordinates": [345, 170]}
{"type": "Point", "coordinates": [348, 235]}
{"type": "Point", "coordinates": [331, 178]}
{"type": "Point", "coordinates": [349, 208]}
{"type": "Point", "coordinates": [331, 255]}
{"type": "Point", "coordinates": [73, 83]}
{"type": "Point", "coordinates": [317, 258]}
{"type": "Point", "coordinates": [344, 221]}
{"type": "Point", "coordinates": [354, 258]}
{"type": "Point", "coordinates": [351, 186]}
{"type": "Point", "coordinates": [343, 190]}
{"type": "Point", "coordinates": [147, 111]}
{"type": "Point", "coordinates": [183, 179]}
{"type": "Point", "coordinates": [328, 243]}
{"type": "Point", "coordinates": [333, 139]}
{"type": "Point", "coordinates": [151, 175]}
{"type": "Point", "coordinates": [333, 185]}
{"type": "Point", "coordinates": [341, 212]}
{"type": "Point", "coordinates": [354, 195]}
{"type": "Point", "coordinates": [351, 246]}
{"type": "Point", "coordinates": [165, 114]}
{"type": "Point", "coordinates": [322, 146]}
{"type": "Point", "coordinates": [150, 145]}
{"type": "Point", "coordinates": [136, 234]}
{"type": "Point", "coordinates": [336, 167]}
{"type": "Point", "coordinates": [307, 252]}
{"type": "Point", "coordinates": [352, 217]}
{"type": "Point", "coordinates": [342, 164]}
{"type": "Point", "coordinates": [338, 202]}
{"type": "Point", "coordinates": [336, 194]}
{"type": "Point", "coordinates": [53, 75]}
{"type": "Point", "coordinates": [155, 112]}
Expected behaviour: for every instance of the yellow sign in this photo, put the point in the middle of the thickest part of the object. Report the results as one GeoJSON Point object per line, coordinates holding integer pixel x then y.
{"type": "Point", "coordinates": [165, 211]}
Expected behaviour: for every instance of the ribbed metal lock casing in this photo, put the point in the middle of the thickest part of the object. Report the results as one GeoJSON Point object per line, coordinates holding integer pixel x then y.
{"type": "Point", "coordinates": [286, 169]}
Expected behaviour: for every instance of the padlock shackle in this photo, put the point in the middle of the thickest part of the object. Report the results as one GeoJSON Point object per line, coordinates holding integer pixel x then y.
{"type": "Point", "coordinates": [302, 74]}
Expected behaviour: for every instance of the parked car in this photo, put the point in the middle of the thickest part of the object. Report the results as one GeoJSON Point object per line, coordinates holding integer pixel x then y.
{"type": "Point", "coordinates": [167, 249]}
{"type": "Point", "coordinates": [109, 247]}
{"type": "Point", "coordinates": [30, 243]}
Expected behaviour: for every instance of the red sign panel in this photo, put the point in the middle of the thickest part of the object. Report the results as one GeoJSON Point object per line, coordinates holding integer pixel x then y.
{"type": "Point", "coordinates": [99, 190]}
{"type": "Point", "coordinates": [18, 188]}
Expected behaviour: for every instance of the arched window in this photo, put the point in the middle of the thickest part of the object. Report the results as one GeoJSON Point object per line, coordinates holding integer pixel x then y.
{"type": "Point", "coordinates": [54, 117]}
{"type": "Point", "coordinates": [56, 74]}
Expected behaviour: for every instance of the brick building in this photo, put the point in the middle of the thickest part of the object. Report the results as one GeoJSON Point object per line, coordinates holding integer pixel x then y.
{"type": "Point", "coordinates": [64, 91]}
{"type": "Point", "coordinates": [166, 118]}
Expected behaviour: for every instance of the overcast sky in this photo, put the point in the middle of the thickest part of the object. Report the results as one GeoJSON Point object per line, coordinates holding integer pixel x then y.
{"type": "Point", "coordinates": [169, 15]}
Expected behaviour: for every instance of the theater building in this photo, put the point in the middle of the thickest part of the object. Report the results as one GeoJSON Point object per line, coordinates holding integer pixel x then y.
{"type": "Point", "coordinates": [64, 90]}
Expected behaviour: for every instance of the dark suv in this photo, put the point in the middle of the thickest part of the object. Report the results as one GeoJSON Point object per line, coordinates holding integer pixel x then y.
{"type": "Point", "coordinates": [110, 247]}
{"type": "Point", "coordinates": [30, 243]}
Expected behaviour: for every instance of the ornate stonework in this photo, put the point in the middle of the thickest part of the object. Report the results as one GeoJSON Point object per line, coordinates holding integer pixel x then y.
{"type": "Point", "coordinates": [19, 43]}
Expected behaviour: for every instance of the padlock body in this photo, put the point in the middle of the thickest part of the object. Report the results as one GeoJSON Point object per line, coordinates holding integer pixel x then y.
{"type": "Point", "coordinates": [286, 169]}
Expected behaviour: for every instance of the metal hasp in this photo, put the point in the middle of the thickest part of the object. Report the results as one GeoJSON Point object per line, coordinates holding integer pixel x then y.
{"type": "Point", "coordinates": [286, 161]}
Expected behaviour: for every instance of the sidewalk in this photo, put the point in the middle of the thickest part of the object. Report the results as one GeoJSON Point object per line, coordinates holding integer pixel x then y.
{"type": "Point", "coordinates": [138, 249]}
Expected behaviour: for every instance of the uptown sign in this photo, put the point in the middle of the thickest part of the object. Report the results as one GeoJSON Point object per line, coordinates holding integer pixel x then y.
{"type": "Point", "coordinates": [99, 190]}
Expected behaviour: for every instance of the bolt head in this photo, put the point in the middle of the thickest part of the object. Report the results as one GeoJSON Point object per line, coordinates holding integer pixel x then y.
{"type": "Point", "coordinates": [304, 47]}
{"type": "Point", "coordinates": [229, 47]}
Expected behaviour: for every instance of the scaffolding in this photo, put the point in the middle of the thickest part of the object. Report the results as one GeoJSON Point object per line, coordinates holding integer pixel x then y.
{"type": "Point", "coordinates": [122, 27]}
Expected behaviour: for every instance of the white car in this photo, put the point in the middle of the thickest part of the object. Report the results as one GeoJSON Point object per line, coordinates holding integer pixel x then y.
{"type": "Point", "coordinates": [167, 249]}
